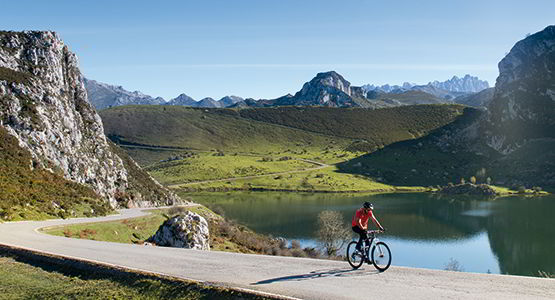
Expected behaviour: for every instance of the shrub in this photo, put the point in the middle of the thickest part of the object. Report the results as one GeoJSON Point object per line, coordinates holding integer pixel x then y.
{"type": "Point", "coordinates": [453, 265]}
{"type": "Point", "coordinates": [332, 231]}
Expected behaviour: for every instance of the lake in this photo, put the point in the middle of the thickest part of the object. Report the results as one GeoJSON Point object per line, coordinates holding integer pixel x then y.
{"type": "Point", "coordinates": [509, 235]}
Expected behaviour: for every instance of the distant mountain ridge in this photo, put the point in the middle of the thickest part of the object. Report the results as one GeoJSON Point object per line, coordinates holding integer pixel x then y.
{"type": "Point", "coordinates": [449, 89]}
{"type": "Point", "coordinates": [103, 95]}
{"type": "Point", "coordinates": [328, 89]}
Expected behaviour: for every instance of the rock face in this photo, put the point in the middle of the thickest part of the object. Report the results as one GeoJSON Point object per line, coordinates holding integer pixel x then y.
{"type": "Point", "coordinates": [102, 95]}
{"type": "Point", "coordinates": [523, 105]}
{"type": "Point", "coordinates": [43, 103]}
{"type": "Point", "coordinates": [326, 89]}
{"type": "Point", "coordinates": [189, 230]}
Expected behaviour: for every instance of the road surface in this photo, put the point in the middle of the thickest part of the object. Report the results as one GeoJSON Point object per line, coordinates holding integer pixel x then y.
{"type": "Point", "coordinates": [286, 276]}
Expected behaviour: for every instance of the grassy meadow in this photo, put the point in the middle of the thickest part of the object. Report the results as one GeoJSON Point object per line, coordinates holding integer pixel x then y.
{"type": "Point", "coordinates": [24, 278]}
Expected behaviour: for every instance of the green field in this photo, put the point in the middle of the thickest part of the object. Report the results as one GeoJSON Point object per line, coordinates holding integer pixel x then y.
{"type": "Point", "coordinates": [23, 278]}
{"type": "Point", "coordinates": [127, 231]}
{"type": "Point", "coordinates": [369, 129]}
{"type": "Point", "coordinates": [225, 235]}
{"type": "Point", "coordinates": [321, 180]}
{"type": "Point", "coordinates": [201, 129]}
{"type": "Point", "coordinates": [208, 166]}
{"type": "Point", "coordinates": [182, 144]}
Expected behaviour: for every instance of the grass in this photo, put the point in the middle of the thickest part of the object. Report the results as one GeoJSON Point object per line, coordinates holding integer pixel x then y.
{"type": "Point", "coordinates": [200, 129]}
{"type": "Point", "coordinates": [225, 235]}
{"type": "Point", "coordinates": [376, 128]}
{"type": "Point", "coordinates": [317, 131]}
{"type": "Point", "coordinates": [27, 278]}
{"type": "Point", "coordinates": [128, 231]}
{"type": "Point", "coordinates": [324, 180]}
{"type": "Point", "coordinates": [208, 166]}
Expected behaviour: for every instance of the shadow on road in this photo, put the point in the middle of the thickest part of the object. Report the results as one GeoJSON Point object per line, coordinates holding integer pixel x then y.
{"type": "Point", "coordinates": [320, 274]}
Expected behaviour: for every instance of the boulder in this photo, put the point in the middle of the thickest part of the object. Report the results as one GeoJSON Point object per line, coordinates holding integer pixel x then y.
{"type": "Point", "coordinates": [188, 230]}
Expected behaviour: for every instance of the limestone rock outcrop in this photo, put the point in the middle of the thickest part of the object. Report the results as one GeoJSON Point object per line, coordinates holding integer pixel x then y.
{"type": "Point", "coordinates": [43, 103]}
{"type": "Point", "coordinates": [188, 230]}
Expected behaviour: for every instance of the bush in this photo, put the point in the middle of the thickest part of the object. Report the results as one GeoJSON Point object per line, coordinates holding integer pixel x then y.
{"type": "Point", "coordinates": [453, 265]}
{"type": "Point", "coordinates": [332, 231]}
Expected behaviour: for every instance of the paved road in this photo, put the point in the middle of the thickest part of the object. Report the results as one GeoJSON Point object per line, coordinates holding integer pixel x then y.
{"type": "Point", "coordinates": [288, 276]}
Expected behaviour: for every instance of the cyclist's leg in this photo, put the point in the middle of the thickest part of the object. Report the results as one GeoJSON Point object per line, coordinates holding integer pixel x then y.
{"type": "Point", "coordinates": [362, 236]}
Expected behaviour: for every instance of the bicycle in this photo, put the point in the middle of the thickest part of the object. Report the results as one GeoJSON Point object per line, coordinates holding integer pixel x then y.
{"type": "Point", "coordinates": [380, 254]}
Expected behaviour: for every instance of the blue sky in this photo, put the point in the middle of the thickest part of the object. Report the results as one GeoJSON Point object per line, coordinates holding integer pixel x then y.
{"type": "Point", "coordinates": [265, 49]}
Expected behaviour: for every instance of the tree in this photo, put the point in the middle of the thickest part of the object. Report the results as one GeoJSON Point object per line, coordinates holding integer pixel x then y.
{"type": "Point", "coordinates": [332, 232]}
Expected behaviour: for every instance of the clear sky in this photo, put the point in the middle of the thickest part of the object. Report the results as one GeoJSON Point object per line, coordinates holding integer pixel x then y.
{"type": "Point", "coordinates": [265, 49]}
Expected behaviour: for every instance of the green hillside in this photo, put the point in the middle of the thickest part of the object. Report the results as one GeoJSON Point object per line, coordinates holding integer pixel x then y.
{"type": "Point", "coordinates": [30, 192]}
{"type": "Point", "coordinates": [371, 129]}
{"type": "Point", "coordinates": [202, 129]}
{"type": "Point", "coordinates": [442, 157]}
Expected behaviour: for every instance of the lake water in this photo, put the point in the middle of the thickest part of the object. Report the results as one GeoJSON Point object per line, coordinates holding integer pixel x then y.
{"type": "Point", "coordinates": [510, 235]}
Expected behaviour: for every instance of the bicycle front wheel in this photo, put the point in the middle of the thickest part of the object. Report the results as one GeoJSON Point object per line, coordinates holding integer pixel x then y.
{"type": "Point", "coordinates": [354, 257]}
{"type": "Point", "coordinates": [381, 256]}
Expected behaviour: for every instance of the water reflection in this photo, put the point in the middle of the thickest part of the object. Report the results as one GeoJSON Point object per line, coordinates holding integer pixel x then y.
{"type": "Point", "coordinates": [511, 235]}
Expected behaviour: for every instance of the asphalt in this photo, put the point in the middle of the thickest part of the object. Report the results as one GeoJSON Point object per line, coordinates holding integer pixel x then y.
{"type": "Point", "coordinates": [286, 276]}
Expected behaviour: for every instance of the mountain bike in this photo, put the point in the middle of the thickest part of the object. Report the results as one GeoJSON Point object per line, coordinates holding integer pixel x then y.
{"type": "Point", "coordinates": [373, 252]}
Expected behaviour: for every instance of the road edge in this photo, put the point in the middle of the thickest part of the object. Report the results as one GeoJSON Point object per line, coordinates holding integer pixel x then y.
{"type": "Point", "coordinates": [113, 270]}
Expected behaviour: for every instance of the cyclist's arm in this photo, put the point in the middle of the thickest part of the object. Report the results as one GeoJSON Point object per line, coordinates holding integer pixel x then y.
{"type": "Point", "coordinates": [359, 222]}
{"type": "Point", "coordinates": [375, 221]}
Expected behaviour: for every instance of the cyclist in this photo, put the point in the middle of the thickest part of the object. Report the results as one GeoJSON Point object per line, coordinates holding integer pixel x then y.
{"type": "Point", "coordinates": [360, 222]}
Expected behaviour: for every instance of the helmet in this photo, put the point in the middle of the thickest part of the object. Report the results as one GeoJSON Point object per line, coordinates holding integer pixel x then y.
{"type": "Point", "coordinates": [368, 205]}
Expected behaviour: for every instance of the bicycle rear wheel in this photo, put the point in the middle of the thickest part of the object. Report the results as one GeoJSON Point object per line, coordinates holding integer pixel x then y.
{"type": "Point", "coordinates": [354, 257]}
{"type": "Point", "coordinates": [381, 256]}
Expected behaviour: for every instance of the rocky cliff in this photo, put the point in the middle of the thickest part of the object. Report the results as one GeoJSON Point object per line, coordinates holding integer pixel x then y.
{"type": "Point", "coordinates": [43, 103]}
{"type": "Point", "coordinates": [523, 105]}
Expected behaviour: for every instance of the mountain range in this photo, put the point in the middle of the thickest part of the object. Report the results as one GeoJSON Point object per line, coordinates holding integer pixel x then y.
{"type": "Point", "coordinates": [511, 142]}
{"type": "Point", "coordinates": [325, 89]}
{"type": "Point", "coordinates": [102, 96]}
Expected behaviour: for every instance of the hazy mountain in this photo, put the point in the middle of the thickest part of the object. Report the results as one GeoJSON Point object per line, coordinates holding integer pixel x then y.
{"type": "Point", "coordinates": [229, 100]}
{"type": "Point", "coordinates": [102, 95]}
{"type": "Point", "coordinates": [481, 99]}
{"type": "Point", "coordinates": [182, 99]}
{"type": "Point", "coordinates": [466, 84]}
{"type": "Point", "coordinates": [447, 90]}
{"type": "Point", "coordinates": [208, 102]}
